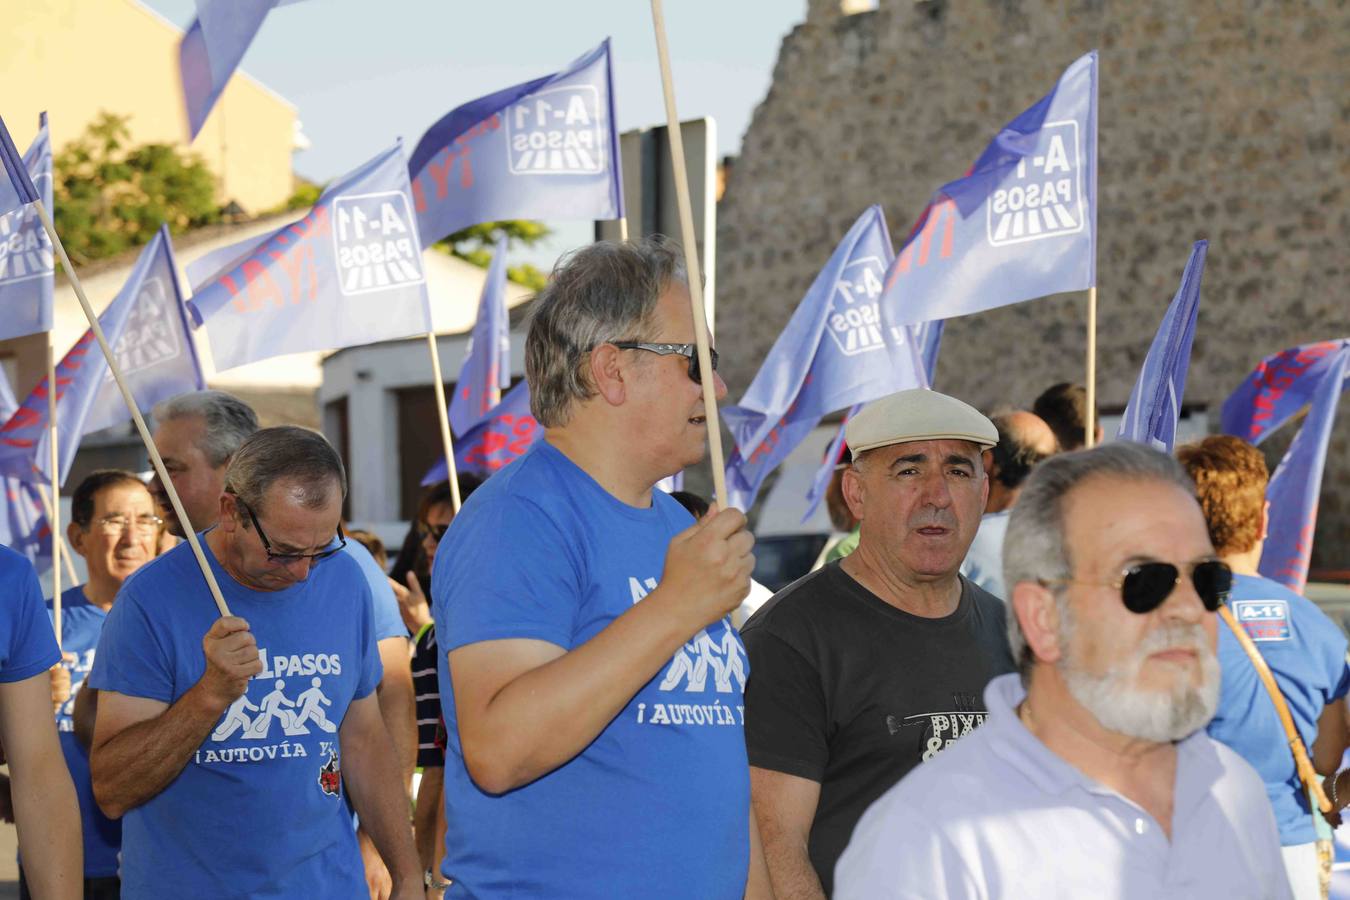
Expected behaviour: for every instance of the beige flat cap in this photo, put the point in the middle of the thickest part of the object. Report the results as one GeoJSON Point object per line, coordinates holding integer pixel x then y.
{"type": "Point", "coordinates": [917, 415]}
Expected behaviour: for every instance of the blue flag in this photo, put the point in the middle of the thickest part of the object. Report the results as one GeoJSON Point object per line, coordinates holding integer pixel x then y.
{"type": "Point", "coordinates": [27, 263]}
{"type": "Point", "coordinates": [212, 49]}
{"type": "Point", "coordinates": [834, 352]}
{"type": "Point", "coordinates": [16, 188]}
{"type": "Point", "coordinates": [146, 326]}
{"type": "Point", "coordinates": [1295, 487]}
{"type": "Point", "coordinates": [1154, 408]}
{"type": "Point", "coordinates": [350, 272]}
{"type": "Point", "coordinates": [545, 149]}
{"type": "Point", "coordinates": [23, 523]}
{"type": "Point", "coordinates": [1278, 389]}
{"type": "Point", "coordinates": [504, 434]}
{"type": "Point", "coordinates": [1020, 225]}
{"type": "Point", "coordinates": [487, 365]}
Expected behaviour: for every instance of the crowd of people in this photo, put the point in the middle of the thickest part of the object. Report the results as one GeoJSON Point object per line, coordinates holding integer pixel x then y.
{"type": "Point", "coordinates": [1010, 679]}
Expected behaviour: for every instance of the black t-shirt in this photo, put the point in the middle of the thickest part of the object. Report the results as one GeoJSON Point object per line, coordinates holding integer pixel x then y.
{"type": "Point", "coordinates": [849, 691]}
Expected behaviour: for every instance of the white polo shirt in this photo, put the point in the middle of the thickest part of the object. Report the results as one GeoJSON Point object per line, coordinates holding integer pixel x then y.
{"type": "Point", "coordinates": [998, 815]}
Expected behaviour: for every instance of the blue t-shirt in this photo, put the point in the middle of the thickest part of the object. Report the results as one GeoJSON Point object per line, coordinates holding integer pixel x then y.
{"type": "Point", "coordinates": [388, 620]}
{"type": "Point", "coordinates": [984, 560]}
{"type": "Point", "coordinates": [658, 804]}
{"type": "Point", "coordinates": [1306, 653]}
{"type": "Point", "coordinates": [259, 809]}
{"type": "Point", "coordinates": [27, 642]}
{"type": "Point", "coordinates": [81, 625]}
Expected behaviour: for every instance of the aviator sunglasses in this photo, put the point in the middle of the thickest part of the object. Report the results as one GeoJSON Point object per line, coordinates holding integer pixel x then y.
{"type": "Point", "coordinates": [1144, 586]}
{"type": "Point", "coordinates": [689, 351]}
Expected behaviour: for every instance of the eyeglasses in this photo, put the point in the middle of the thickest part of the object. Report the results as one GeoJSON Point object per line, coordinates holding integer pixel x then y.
{"type": "Point", "coordinates": [434, 532]}
{"type": "Point", "coordinates": [1144, 586]}
{"type": "Point", "coordinates": [690, 351]}
{"type": "Point", "coordinates": [115, 525]}
{"type": "Point", "coordinates": [284, 558]}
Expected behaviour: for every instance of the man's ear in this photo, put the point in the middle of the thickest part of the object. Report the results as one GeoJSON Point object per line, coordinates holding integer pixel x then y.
{"type": "Point", "coordinates": [1038, 615]}
{"type": "Point", "coordinates": [75, 536]}
{"type": "Point", "coordinates": [1265, 521]}
{"type": "Point", "coordinates": [231, 517]}
{"type": "Point", "coordinates": [605, 367]}
{"type": "Point", "coordinates": [853, 490]}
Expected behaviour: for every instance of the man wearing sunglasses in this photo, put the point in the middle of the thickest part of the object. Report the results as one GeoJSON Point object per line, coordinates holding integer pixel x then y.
{"type": "Point", "coordinates": [1303, 648]}
{"type": "Point", "coordinates": [591, 681]}
{"type": "Point", "coordinates": [1093, 776]}
{"type": "Point", "coordinates": [229, 744]}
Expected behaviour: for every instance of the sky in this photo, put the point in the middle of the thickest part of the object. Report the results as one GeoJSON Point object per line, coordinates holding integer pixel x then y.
{"type": "Point", "coordinates": [362, 73]}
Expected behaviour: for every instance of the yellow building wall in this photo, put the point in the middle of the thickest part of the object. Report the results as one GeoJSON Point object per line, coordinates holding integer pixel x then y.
{"type": "Point", "coordinates": [77, 58]}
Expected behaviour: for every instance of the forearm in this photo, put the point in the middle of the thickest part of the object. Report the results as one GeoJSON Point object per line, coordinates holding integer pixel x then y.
{"type": "Point", "coordinates": [549, 714]}
{"type": "Point", "coordinates": [430, 805]}
{"type": "Point", "coordinates": [48, 817]}
{"type": "Point", "coordinates": [757, 884]}
{"type": "Point", "coordinates": [791, 874]}
{"type": "Point", "coordinates": [381, 802]}
{"type": "Point", "coordinates": [138, 762]}
{"type": "Point", "coordinates": [397, 706]}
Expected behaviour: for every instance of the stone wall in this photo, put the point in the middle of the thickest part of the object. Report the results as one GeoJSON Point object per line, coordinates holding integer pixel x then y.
{"type": "Point", "coordinates": [1228, 121]}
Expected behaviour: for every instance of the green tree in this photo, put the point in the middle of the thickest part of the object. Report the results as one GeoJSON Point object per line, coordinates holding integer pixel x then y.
{"type": "Point", "coordinates": [111, 197]}
{"type": "Point", "coordinates": [475, 245]}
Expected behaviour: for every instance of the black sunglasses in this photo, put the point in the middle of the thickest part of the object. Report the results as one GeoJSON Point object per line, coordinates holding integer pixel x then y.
{"type": "Point", "coordinates": [1144, 586]}
{"type": "Point", "coordinates": [689, 351]}
{"type": "Point", "coordinates": [273, 556]}
{"type": "Point", "coordinates": [435, 532]}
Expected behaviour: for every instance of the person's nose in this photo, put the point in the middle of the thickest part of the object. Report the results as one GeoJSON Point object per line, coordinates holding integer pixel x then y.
{"type": "Point", "coordinates": [1184, 605]}
{"type": "Point", "coordinates": [719, 386]}
{"type": "Point", "coordinates": [936, 491]}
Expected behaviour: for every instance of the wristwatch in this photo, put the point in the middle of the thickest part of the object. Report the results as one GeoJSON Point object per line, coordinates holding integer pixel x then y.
{"type": "Point", "coordinates": [431, 880]}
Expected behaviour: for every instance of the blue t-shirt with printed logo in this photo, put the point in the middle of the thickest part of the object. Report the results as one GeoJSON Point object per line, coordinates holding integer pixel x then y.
{"type": "Point", "coordinates": [658, 804]}
{"type": "Point", "coordinates": [27, 642]}
{"type": "Point", "coordinates": [81, 625]}
{"type": "Point", "coordinates": [1306, 653]}
{"type": "Point", "coordinates": [259, 809]}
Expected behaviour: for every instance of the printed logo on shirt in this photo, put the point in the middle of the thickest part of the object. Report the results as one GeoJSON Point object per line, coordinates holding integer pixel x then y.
{"type": "Point", "coordinates": [78, 669]}
{"type": "Point", "coordinates": [330, 776]}
{"type": "Point", "coordinates": [941, 729]}
{"type": "Point", "coordinates": [1263, 620]}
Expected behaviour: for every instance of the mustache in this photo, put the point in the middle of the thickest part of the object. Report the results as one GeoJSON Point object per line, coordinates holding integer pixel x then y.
{"type": "Point", "coordinates": [937, 519]}
{"type": "Point", "coordinates": [1176, 636]}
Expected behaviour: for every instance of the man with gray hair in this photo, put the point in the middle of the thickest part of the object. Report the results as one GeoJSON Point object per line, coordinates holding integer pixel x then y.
{"type": "Point", "coordinates": [871, 665]}
{"type": "Point", "coordinates": [592, 683]}
{"type": "Point", "coordinates": [209, 740]}
{"type": "Point", "coordinates": [1093, 776]}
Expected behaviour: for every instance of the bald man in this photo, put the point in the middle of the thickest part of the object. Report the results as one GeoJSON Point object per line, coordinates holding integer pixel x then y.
{"type": "Point", "coordinates": [1024, 439]}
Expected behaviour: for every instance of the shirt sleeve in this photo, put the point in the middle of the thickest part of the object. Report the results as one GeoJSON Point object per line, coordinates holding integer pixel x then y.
{"type": "Point", "coordinates": [32, 643]}
{"type": "Point", "coordinates": [388, 620]}
{"type": "Point", "coordinates": [131, 659]}
{"type": "Point", "coordinates": [509, 572]}
{"type": "Point", "coordinates": [785, 720]}
{"type": "Point", "coordinates": [372, 668]}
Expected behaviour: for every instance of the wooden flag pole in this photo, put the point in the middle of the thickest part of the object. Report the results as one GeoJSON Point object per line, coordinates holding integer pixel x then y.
{"type": "Point", "coordinates": [442, 410]}
{"type": "Point", "coordinates": [66, 552]}
{"type": "Point", "coordinates": [1090, 415]}
{"type": "Point", "coordinates": [54, 514]}
{"type": "Point", "coordinates": [691, 262]}
{"type": "Point", "coordinates": [623, 229]}
{"type": "Point", "coordinates": [135, 412]}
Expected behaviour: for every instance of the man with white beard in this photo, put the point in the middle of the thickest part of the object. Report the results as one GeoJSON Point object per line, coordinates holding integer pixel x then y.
{"type": "Point", "coordinates": [1091, 777]}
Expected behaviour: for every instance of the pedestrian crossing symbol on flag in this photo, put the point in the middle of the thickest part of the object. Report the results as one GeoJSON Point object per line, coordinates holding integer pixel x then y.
{"type": "Point", "coordinates": [557, 131]}
{"type": "Point", "coordinates": [1043, 197]}
{"type": "Point", "coordinates": [855, 320]}
{"type": "Point", "coordinates": [376, 245]}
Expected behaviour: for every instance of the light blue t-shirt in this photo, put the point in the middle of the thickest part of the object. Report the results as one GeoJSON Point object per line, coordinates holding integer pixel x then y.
{"type": "Point", "coordinates": [384, 605]}
{"type": "Point", "coordinates": [1306, 653]}
{"type": "Point", "coordinates": [27, 642]}
{"type": "Point", "coordinates": [984, 560]}
{"type": "Point", "coordinates": [658, 804]}
{"type": "Point", "coordinates": [81, 625]}
{"type": "Point", "coordinates": [259, 809]}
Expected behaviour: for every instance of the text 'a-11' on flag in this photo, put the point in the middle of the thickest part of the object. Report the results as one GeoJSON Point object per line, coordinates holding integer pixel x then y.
{"type": "Point", "coordinates": [1277, 389]}
{"type": "Point", "coordinates": [1020, 225]}
{"type": "Point", "coordinates": [544, 149]}
{"type": "Point", "coordinates": [350, 272]}
{"type": "Point", "coordinates": [1154, 408]}
{"type": "Point", "coordinates": [487, 363]}
{"type": "Point", "coordinates": [834, 352]}
{"type": "Point", "coordinates": [147, 328]}
{"type": "Point", "coordinates": [1296, 486]}
{"type": "Point", "coordinates": [500, 437]}
{"type": "Point", "coordinates": [27, 263]}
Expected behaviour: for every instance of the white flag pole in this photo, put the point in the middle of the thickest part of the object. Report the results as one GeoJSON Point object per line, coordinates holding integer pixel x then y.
{"type": "Point", "coordinates": [441, 409]}
{"type": "Point", "coordinates": [691, 262]}
{"type": "Point", "coordinates": [54, 514]}
{"type": "Point", "coordinates": [66, 552]}
{"type": "Point", "coordinates": [135, 412]}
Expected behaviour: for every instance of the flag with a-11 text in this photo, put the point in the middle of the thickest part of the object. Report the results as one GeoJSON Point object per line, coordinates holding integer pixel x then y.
{"type": "Point", "coordinates": [544, 149]}
{"type": "Point", "coordinates": [1020, 225]}
{"type": "Point", "coordinates": [147, 329]}
{"type": "Point", "coordinates": [487, 363]}
{"type": "Point", "coordinates": [27, 261]}
{"type": "Point", "coordinates": [350, 272]}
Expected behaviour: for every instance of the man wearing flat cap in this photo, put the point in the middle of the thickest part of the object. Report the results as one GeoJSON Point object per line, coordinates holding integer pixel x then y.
{"type": "Point", "coordinates": [875, 663]}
